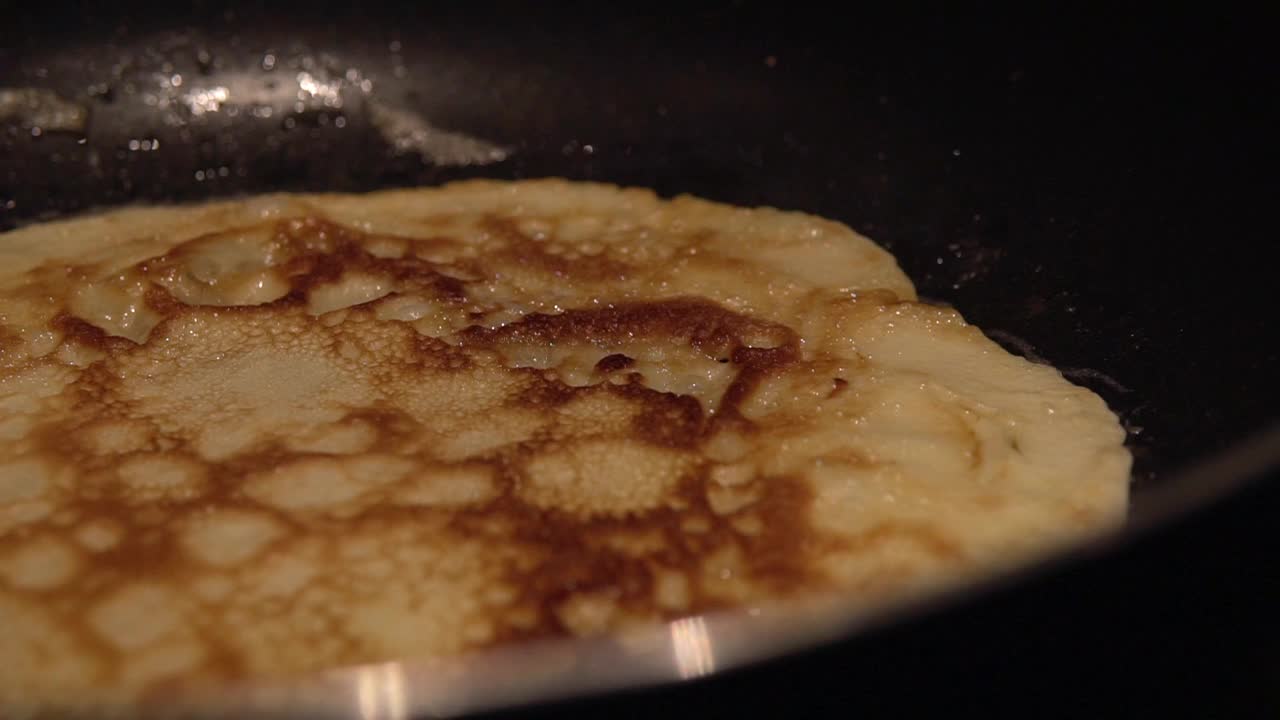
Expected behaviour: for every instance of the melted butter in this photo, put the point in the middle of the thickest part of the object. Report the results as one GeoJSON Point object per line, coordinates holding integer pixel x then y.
{"type": "Point", "coordinates": [116, 305]}
{"type": "Point", "coordinates": [237, 268]}
{"type": "Point", "coordinates": [348, 291]}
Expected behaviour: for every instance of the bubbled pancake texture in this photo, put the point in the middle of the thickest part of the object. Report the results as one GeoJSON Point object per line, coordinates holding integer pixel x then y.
{"type": "Point", "coordinates": [263, 438]}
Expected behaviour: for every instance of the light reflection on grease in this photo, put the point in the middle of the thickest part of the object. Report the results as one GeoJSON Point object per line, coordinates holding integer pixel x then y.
{"type": "Point", "coordinates": [206, 100]}
{"type": "Point", "coordinates": [315, 88]}
{"type": "Point", "coordinates": [328, 93]}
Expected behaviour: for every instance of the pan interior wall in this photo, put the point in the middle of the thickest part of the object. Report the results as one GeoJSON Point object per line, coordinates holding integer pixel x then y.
{"type": "Point", "coordinates": [1089, 204]}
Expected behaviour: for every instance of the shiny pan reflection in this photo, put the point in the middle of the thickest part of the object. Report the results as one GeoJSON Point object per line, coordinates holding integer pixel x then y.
{"type": "Point", "coordinates": [691, 647]}
{"type": "Point", "coordinates": [682, 650]}
{"type": "Point", "coordinates": [380, 692]}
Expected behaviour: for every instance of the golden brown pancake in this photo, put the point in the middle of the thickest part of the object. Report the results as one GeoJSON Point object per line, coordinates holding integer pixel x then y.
{"type": "Point", "coordinates": [262, 438]}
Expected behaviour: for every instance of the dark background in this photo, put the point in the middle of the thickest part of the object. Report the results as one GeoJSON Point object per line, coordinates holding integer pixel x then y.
{"type": "Point", "coordinates": [1094, 187]}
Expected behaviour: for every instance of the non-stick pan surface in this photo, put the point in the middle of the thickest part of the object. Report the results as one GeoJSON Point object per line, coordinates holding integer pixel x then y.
{"type": "Point", "coordinates": [1093, 190]}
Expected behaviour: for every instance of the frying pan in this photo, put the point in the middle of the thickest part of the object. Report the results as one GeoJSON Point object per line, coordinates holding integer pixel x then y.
{"type": "Point", "coordinates": [1089, 189]}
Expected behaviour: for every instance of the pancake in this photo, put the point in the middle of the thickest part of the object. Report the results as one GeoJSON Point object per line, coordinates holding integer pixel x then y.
{"type": "Point", "coordinates": [256, 439]}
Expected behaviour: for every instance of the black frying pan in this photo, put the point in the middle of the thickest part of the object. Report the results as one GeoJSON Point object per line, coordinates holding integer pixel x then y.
{"type": "Point", "coordinates": [1089, 189]}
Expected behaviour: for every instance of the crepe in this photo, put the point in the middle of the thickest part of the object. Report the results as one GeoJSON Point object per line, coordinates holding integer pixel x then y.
{"type": "Point", "coordinates": [262, 438]}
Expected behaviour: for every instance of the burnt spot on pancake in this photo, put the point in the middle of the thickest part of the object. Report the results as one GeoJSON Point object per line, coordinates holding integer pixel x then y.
{"type": "Point", "coordinates": [699, 324]}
